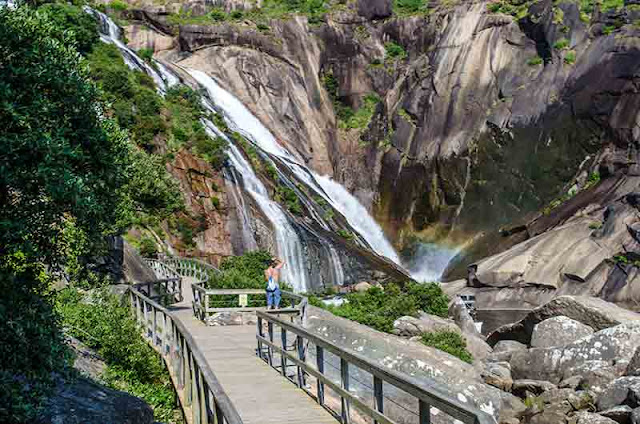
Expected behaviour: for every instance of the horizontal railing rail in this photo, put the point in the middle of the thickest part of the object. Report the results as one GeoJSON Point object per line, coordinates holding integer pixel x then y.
{"type": "Point", "coordinates": [166, 288]}
{"type": "Point", "coordinates": [433, 395]}
{"type": "Point", "coordinates": [208, 301]}
{"type": "Point", "coordinates": [203, 399]}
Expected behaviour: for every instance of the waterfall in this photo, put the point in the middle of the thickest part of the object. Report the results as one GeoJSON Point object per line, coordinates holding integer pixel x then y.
{"type": "Point", "coordinates": [426, 265]}
{"type": "Point", "coordinates": [248, 125]}
{"type": "Point", "coordinates": [110, 33]}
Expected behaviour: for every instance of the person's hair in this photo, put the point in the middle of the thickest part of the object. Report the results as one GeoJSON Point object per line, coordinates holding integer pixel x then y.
{"type": "Point", "coordinates": [273, 262]}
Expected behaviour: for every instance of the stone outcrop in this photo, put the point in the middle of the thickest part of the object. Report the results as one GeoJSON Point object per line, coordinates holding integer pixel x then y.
{"type": "Point", "coordinates": [614, 346]}
{"type": "Point", "coordinates": [595, 313]}
{"type": "Point", "coordinates": [624, 390]}
{"type": "Point", "coordinates": [558, 331]}
{"type": "Point", "coordinates": [83, 401]}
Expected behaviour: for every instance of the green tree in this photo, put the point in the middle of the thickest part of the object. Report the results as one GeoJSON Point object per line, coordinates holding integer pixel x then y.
{"type": "Point", "coordinates": [82, 26]}
{"type": "Point", "coordinates": [61, 157]}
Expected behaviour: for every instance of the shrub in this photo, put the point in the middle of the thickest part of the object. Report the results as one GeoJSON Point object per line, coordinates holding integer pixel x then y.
{"type": "Point", "coordinates": [262, 27]}
{"type": "Point", "coordinates": [534, 61]}
{"type": "Point", "coordinates": [146, 54]}
{"type": "Point", "coordinates": [148, 247]}
{"type": "Point", "coordinates": [570, 57]}
{"type": "Point", "coordinates": [409, 7]}
{"type": "Point", "coordinates": [594, 178]}
{"type": "Point", "coordinates": [118, 5]}
{"type": "Point", "coordinates": [217, 15]}
{"type": "Point", "coordinates": [213, 150]}
{"type": "Point", "coordinates": [429, 298]}
{"type": "Point", "coordinates": [215, 201]}
{"type": "Point", "coordinates": [345, 234]}
{"type": "Point", "coordinates": [106, 324]}
{"type": "Point", "coordinates": [562, 43]}
{"type": "Point", "coordinates": [448, 341]}
{"type": "Point", "coordinates": [394, 51]}
{"type": "Point", "coordinates": [237, 14]}
{"type": "Point", "coordinates": [289, 198]}
{"type": "Point", "coordinates": [361, 117]}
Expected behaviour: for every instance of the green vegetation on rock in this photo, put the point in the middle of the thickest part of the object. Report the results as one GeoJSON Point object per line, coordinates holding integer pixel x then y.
{"type": "Point", "coordinates": [570, 57]}
{"type": "Point", "coordinates": [448, 341]}
{"type": "Point", "coordinates": [535, 61]}
{"type": "Point", "coordinates": [379, 308]}
{"type": "Point", "coordinates": [562, 43]}
{"type": "Point", "coordinates": [394, 51]}
{"type": "Point", "coordinates": [410, 7]}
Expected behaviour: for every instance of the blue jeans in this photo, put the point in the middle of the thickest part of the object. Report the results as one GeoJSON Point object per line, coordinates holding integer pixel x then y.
{"type": "Point", "coordinates": [273, 298]}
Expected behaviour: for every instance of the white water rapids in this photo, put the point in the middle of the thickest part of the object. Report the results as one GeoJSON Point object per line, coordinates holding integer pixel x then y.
{"type": "Point", "coordinates": [426, 265]}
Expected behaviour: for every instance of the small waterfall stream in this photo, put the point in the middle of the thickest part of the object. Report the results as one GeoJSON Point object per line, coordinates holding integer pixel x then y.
{"type": "Point", "coordinates": [289, 245]}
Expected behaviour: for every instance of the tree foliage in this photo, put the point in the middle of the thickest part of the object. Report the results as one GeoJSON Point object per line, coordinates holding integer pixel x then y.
{"type": "Point", "coordinates": [82, 26]}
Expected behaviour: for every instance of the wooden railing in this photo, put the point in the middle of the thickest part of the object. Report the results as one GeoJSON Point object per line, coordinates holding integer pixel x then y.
{"type": "Point", "coordinates": [166, 288]}
{"type": "Point", "coordinates": [425, 394]}
{"type": "Point", "coordinates": [202, 398]}
{"type": "Point", "coordinates": [208, 301]}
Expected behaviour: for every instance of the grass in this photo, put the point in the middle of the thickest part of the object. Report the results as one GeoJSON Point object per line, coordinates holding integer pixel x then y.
{"type": "Point", "coordinates": [346, 234]}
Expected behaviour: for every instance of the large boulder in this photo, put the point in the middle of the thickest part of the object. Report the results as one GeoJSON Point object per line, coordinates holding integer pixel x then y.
{"type": "Point", "coordinates": [498, 374]}
{"type": "Point", "coordinates": [375, 9]}
{"type": "Point", "coordinates": [595, 375]}
{"type": "Point", "coordinates": [83, 401]}
{"type": "Point", "coordinates": [611, 346]}
{"type": "Point", "coordinates": [635, 416]}
{"type": "Point", "coordinates": [522, 388]}
{"type": "Point", "coordinates": [620, 414]}
{"type": "Point", "coordinates": [596, 313]}
{"type": "Point", "coordinates": [624, 390]}
{"type": "Point", "coordinates": [589, 418]}
{"type": "Point", "coordinates": [558, 331]}
{"type": "Point", "coordinates": [409, 326]}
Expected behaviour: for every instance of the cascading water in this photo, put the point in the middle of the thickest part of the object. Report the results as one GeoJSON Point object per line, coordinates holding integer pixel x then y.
{"type": "Point", "coordinates": [110, 33]}
{"type": "Point", "coordinates": [248, 125]}
{"type": "Point", "coordinates": [240, 119]}
{"type": "Point", "coordinates": [429, 261]}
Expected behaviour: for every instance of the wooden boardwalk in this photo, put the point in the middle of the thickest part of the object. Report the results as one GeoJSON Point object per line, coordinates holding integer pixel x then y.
{"type": "Point", "coordinates": [260, 394]}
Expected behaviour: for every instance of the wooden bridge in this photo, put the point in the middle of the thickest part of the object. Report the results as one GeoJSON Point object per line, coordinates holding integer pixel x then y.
{"type": "Point", "coordinates": [264, 373]}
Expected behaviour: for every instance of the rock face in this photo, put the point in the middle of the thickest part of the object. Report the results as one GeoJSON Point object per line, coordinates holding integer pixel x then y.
{"type": "Point", "coordinates": [86, 402]}
{"type": "Point", "coordinates": [374, 9]}
{"type": "Point", "coordinates": [590, 418]}
{"type": "Point", "coordinates": [595, 313]}
{"type": "Point", "coordinates": [615, 345]}
{"type": "Point", "coordinates": [558, 331]}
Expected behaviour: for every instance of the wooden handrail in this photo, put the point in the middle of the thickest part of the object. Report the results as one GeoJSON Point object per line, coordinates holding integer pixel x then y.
{"type": "Point", "coordinates": [433, 395]}
{"type": "Point", "coordinates": [199, 390]}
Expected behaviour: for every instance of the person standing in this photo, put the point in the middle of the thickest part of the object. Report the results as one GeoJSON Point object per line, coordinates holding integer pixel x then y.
{"type": "Point", "coordinates": [272, 275]}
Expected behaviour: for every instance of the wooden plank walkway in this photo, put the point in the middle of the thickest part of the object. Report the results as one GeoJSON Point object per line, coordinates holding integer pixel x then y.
{"type": "Point", "coordinates": [260, 394]}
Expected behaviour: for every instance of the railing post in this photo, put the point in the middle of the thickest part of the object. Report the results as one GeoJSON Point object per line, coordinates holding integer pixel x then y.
{"type": "Point", "coordinates": [138, 311]}
{"type": "Point", "coordinates": [164, 346]}
{"type": "Point", "coordinates": [378, 397]}
{"type": "Point", "coordinates": [146, 318]}
{"type": "Point", "coordinates": [154, 332]}
{"type": "Point", "coordinates": [206, 306]}
{"type": "Point", "coordinates": [283, 357]}
{"type": "Point", "coordinates": [301, 356]}
{"type": "Point", "coordinates": [188, 388]}
{"type": "Point", "coordinates": [425, 412]}
{"type": "Point", "coordinates": [261, 334]}
{"type": "Point", "coordinates": [344, 381]}
{"type": "Point", "coordinates": [270, 349]}
{"type": "Point", "coordinates": [320, 365]}
{"type": "Point", "coordinates": [195, 391]}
